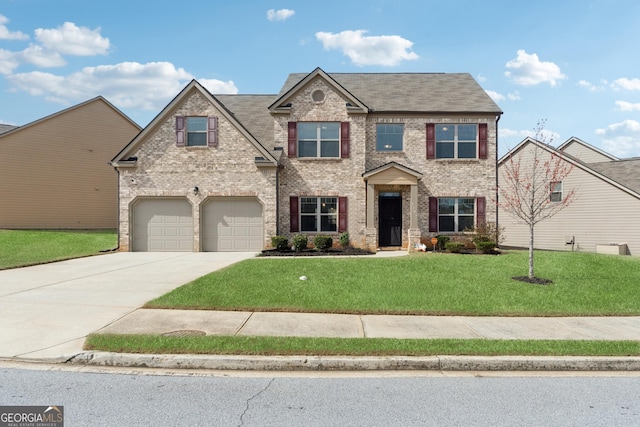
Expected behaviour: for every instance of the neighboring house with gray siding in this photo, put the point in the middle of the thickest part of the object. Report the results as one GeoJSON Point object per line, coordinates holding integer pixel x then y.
{"type": "Point", "coordinates": [389, 158]}
{"type": "Point", "coordinates": [603, 216]}
{"type": "Point", "coordinates": [55, 172]}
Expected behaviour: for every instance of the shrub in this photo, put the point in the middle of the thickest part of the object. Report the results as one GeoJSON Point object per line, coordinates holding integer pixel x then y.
{"type": "Point", "coordinates": [442, 241]}
{"type": "Point", "coordinates": [280, 243]}
{"type": "Point", "coordinates": [322, 243]}
{"type": "Point", "coordinates": [485, 246]}
{"type": "Point", "coordinates": [487, 232]}
{"type": "Point", "coordinates": [454, 247]}
{"type": "Point", "coordinates": [344, 239]}
{"type": "Point", "coordinates": [300, 242]}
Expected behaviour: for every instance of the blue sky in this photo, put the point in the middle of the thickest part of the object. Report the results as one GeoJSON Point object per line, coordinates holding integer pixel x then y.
{"type": "Point", "coordinates": [574, 63]}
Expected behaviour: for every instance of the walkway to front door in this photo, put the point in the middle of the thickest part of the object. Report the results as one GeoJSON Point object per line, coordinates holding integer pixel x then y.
{"type": "Point", "coordinates": [390, 219]}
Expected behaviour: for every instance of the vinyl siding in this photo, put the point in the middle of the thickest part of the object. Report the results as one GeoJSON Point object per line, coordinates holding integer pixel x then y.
{"type": "Point", "coordinates": [600, 214]}
{"type": "Point", "coordinates": [55, 172]}
{"type": "Point", "coordinates": [584, 153]}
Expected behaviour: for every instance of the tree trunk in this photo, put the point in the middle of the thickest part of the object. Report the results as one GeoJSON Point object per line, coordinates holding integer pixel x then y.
{"type": "Point", "coordinates": [531, 275]}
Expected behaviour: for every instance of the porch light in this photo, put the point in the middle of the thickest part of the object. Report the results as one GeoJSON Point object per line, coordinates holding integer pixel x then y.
{"type": "Point", "coordinates": [196, 190]}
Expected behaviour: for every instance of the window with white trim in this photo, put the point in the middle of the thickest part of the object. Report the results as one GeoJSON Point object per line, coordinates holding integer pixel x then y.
{"type": "Point", "coordinates": [389, 136]}
{"type": "Point", "coordinates": [318, 139]}
{"type": "Point", "coordinates": [196, 131]}
{"type": "Point", "coordinates": [456, 141]}
{"type": "Point", "coordinates": [556, 192]}
{"type": "Point", "coordinates": [456, 214]}
{"type": "Point", "coordinates": [319, 214]}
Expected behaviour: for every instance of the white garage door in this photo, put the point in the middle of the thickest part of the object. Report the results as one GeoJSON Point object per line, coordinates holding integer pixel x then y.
{"type": "Point", "coordinates": [163, 225]}
{"type": "Point", "coordinates": [232, 224]}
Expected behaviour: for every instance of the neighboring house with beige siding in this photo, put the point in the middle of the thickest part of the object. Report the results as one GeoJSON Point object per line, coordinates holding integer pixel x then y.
{"type": "Point", "coordinates": [55, 172]}
{"type": "Point", "coordinates": [604, 214]}
{"type": "Point", "coordinates": [388, 157]}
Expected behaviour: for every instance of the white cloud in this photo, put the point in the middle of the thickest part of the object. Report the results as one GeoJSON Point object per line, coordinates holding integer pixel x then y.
{"type": "Point", "coordinates": [528, 70]}
{"type": "Point", "coordinates": [5, 34]}
{"type": "Point", "coordinates": [627, 106]}
{"type": "Point", "coordinates": [589, 86]}
{"type": "Point", "coordinates": [369, 50]}
{"type": "Point", "coordinates": [547, 136]}
{"type": "Point", "coordinates": [219, 87]}
{"type": "Point", "coordinates": [37, 55]}
{"type": "Point", "coordinates": [621, 139]}
{"type": "Point", "coordinates": [495, 95]}
{"type": "Point", "coordinates": [279, 15]}
{"type": "Point", "coordinates": [8, 62]}
{"type": "Point", "coordinates": [514, 96]}
{"type": "Point", "coordinates": [128, 84]}
{"type": "Point", "coordinates": [626, 84]}
{"type": "Point", "coordinates": [70, 39]}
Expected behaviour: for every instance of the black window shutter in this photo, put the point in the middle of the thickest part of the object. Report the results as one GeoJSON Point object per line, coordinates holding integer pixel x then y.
{"type": "Point", "coordinates": [180, 122]}
{"type": "Point", "coordinates": [294, 225]}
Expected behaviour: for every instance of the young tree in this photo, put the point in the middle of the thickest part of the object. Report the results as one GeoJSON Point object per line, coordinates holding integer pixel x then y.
{"type": "Point", "coordinates": [528, 184]}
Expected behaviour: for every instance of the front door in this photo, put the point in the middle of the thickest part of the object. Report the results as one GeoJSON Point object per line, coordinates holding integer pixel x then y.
{"type": "Point", "coordinates": [390, 219]}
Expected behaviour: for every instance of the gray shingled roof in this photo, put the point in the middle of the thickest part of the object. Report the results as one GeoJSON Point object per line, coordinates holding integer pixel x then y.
{"type": "Point", "coordinates": [625, 172]}
{"type": "Point", "coordinates": [6, 128]}
{"type": "Point", "coordinates": [252, 111]}
{"type": "Point", "coordinates": [411, 92]}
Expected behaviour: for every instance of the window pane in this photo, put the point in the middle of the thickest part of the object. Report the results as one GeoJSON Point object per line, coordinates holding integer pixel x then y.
{"type": "Point", "coordinates": [446, 206]}
{"type": "Point", "coordinates": [329, 131]}
{"type": "Point", "coordinates": [445, 223]}
{"type": "Point", "coordinates": [444, 132]}
{"type": "Point", "coordinates": [330, 149]}
{"type": "Point", "coordinates": [465, 222]}
{"type": "Point", "coordinates": [308, 205]}
{"type": "Point", "coordinates": [467, 133]}
{"type": "Point", "coordinates": [195, 124]}
{"type": "Point", "coordinates": [307, 149]}
{"type": "Point", "coordinates": [389, 137]}
{"type": "Point", "coordinates": [196, 139]}
{"type": "Point", "coordinates": [328, 223]}
{"type": "Point", "coordinates": [307, 130]}
{"type": "Point", "coordinates": [444, 150]}
{"type": "Point", "coordinates": [466, 206]}
{"type": "Point", "coordinates": [308, 223]}
{"type": "Point", "coordinates": [467, 150]}
{"type": "Point", "coordinates": [328, 205]}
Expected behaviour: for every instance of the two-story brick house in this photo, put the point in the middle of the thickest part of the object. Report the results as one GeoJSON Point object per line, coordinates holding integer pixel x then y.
{"type": "Point", "coordinates": [388, 157]}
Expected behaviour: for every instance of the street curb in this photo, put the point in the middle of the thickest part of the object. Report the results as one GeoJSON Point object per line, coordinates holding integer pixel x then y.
{"type": "Point", "coordinates": [341, 363]}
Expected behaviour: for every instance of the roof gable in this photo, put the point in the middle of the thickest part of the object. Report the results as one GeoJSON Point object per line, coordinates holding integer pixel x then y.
{"type": "Point", "coordinates": [392, 173]}
{"type": "Point", "coordinates": [580, 145]}
{"type": "Point", "coordinates": [194, 85]}
{"type": "Point", "coordinates": [282, 104]}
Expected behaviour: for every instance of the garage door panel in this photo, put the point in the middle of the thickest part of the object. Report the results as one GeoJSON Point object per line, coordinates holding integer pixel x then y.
{"type": "Point", "coordinates": [233, 224]}
{"type": "Point", "coordinates": [162, 225]}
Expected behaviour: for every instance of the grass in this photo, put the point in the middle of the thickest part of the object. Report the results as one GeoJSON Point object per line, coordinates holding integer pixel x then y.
{"type": "Point", "coordinates": [225, 345]}
{"type": "Point", "coordinates": [19, 248]}
{"type": "Point", "coordinates": [584, 284]}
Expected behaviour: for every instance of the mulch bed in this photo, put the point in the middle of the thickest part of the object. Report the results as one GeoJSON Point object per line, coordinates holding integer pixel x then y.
{"type": "Point", "coordinates": [534, 281]}
{"type": "Point", "coordinates": [313, 252]}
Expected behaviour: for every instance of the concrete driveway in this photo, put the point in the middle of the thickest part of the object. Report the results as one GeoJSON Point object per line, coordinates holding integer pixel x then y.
{"type": "Point", "coordinates": [46, 311]}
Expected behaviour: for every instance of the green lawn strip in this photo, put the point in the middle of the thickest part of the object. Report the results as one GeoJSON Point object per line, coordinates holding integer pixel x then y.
{"type": "Point", "coordinates": [584, 284]}
{"type": "Point", "coordinates": [20, 248]}
{"type": "Point", "coordinates": [278, 346]}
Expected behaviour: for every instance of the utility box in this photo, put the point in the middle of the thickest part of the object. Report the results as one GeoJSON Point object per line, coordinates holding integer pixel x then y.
{"type": "Point", "coordinates": [612, 249]}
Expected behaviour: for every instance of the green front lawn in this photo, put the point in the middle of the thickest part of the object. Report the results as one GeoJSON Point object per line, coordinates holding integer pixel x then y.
{"type": "Point", "coordinates": [584, 284]}
{"type": "Point", "coordinates": [20, 248]}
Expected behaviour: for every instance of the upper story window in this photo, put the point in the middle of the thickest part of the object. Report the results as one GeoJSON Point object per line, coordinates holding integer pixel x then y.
{"type": "Point", "coordinates": [456, 141]}
{"type": "Point", "coordinates": [389, 137]}
{"type": "Point", "coordinates": [196, 131]}
{"type": "Point", "coordinates": [318, 139]}
{"type": "Point", "coordinates": [556, 192]}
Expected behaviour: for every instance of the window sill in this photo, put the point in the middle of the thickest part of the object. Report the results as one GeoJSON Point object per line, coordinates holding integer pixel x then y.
{"type": "Point", "coordinates": [196, 147]}
{"type": "Point", "coordinates": [322, 159]}
{"type": "Point", "coordinates": [458, 160]}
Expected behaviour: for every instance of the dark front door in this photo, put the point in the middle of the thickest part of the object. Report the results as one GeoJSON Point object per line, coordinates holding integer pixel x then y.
{"type": "Point", "coordinates": [390, 219]}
